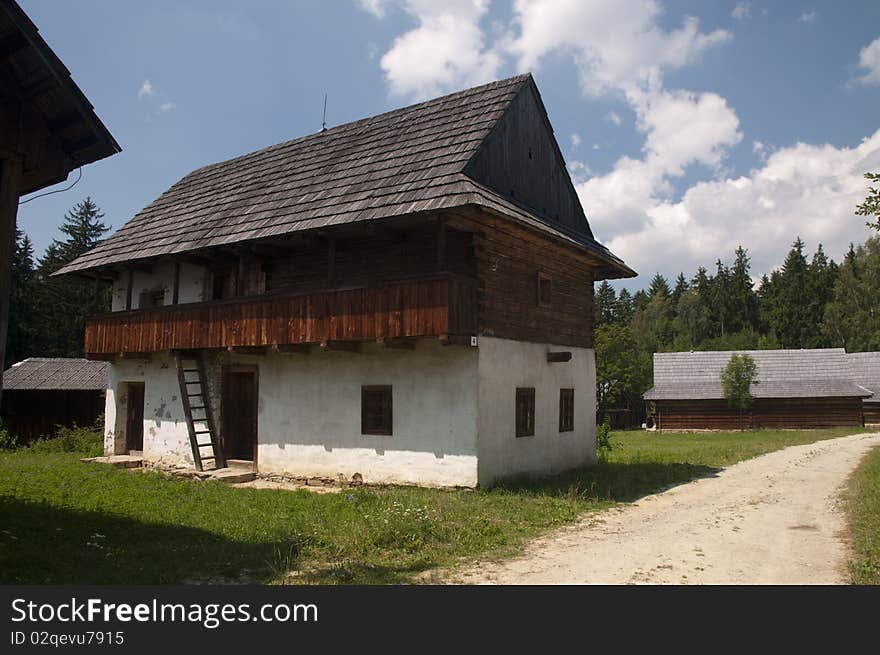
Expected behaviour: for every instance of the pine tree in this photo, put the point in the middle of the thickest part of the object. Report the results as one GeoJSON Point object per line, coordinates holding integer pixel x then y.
{"type": "Point", "coordinates": [660, 286]}
{"type": "Point", "coordinates": [788, 317]}
{"type": "Point", "coordinates": [681, 285]}
{"type": "Point", "coordinates": [20, 342]}
{"type": "Point", "coordinates": [624, 308]}
{"type": "Point", "coordinates": [605, 303]}
{"type": "Point", "coordinates": [720, 309]}
{"type": "Point", "coordinates": [62, 304]}
{"type": "Point", "coordinates": [743, 301]}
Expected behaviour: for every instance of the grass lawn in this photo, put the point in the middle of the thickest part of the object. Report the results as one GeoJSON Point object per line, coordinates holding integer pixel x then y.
{"type": "Point", "coordinates": [62, 521]}
{"type": "Point", "coordinates": [864, 509]}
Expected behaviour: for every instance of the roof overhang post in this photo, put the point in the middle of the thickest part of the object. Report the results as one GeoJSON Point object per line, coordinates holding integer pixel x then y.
{"type": "Point", "coordinates": [10, 173]}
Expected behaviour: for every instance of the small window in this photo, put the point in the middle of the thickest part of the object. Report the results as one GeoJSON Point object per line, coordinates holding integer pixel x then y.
{"type": "Point", "coordinates": [376, 417]}
{"type": "Point", "coordinates": [545, 290]}
{"type": "Point", "coordinates": [566, 410]}
{"type": "Point", "coordinates": [153, 298]}
{"type": "Point", "coordinates": [525, 411]}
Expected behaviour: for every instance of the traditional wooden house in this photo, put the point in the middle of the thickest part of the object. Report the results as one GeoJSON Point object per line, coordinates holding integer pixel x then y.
{"type": "Point", "coordinates": [41, 394]}
{"type": "Point", "coordinates": [795, 389]}
{"type": "Point", "coordinates": [865, 370]}
{"type": "Point", "coordinates": [407, 297]}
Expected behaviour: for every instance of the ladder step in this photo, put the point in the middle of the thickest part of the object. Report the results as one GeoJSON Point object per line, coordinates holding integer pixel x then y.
{"type": "Point", "coordinates": [196, 407]}
{"type": "Point", "coordinates": [205, 445]}
{"type": "Point", "coordinates": [193, 395]}
{"type": "Point", "coordinates": [190, 370]}
{"type": "Point", "coordinates": [192, 381]}
{"type": "Point", "coordinates": [201, 432]}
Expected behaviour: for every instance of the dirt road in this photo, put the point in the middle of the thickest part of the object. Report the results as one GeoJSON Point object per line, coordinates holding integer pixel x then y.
{"type": "Point", "coordinates": [774, 519]}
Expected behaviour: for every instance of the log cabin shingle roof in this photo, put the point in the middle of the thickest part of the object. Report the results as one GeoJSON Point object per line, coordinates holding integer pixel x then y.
{"type": "Point", "coordinates": [816, 373]}
{"type": "Point", "coordinates": [56, 374]}
{"type": "Point", "coordinates": [403, 162]}
{"type": "Point", "coordinates": [865, 370]}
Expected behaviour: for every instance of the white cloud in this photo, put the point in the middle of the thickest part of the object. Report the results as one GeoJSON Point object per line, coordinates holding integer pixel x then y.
{"type": "Point", "coordinates": [375, 7]}
{"type": "Point", "coordinates": [166, 106]}
{"type": "Point", "coordinates": [445, 52]}
{"type": "Point", "coordinates": [613, 117]}
{"type": "Point", "coordinates": [615, 45]}
{"type": "Point", "coordinates": [154, 101]}
{"type": "Point", "coordinates": [575, 140]}
{"type": "Point", "coordinates": [146, 89]}
{"type": "Point", "coordinates": [742, 10]}
{"type": "Point", "coordinates": [806, 190]}
{"type": "Point", "coordinates": [869, 60]}
{"type": "Point", "coordinates": [807, 17]}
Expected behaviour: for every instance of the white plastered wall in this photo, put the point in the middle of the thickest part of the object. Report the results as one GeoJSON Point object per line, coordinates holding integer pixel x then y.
{"type": "Point", "coordinates": [505, 365]}
{"type": "Point", "coordinates": [166, 440]}
{"type": "Point", "coordinates": [191, 284]}
{"type": "Point", "coordinates": [310, 414]}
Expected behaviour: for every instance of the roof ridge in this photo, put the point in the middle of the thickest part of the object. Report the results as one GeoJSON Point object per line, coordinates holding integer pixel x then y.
{"type": "Point", "coordinates": [496, 84]}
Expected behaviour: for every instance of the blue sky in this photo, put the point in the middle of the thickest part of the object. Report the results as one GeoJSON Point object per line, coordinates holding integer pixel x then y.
{"type": "Point", "coordinates": [689, 127]}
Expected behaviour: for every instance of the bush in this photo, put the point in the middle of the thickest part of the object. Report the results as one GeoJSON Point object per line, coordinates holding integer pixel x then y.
{"type": "Point", "coordinates": [87, 441]}
{"type": "Point", "coordinates": [7, 439]}
{"type": "Point", "coordinates": [603, 440]}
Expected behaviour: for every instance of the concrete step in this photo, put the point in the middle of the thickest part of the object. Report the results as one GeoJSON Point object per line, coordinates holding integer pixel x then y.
{"type": "Point", "coordinates": [232, 475]}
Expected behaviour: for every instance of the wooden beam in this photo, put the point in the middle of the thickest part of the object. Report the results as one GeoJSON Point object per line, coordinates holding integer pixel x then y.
{"type": "Point", "coordinates": [298, 348]}
{"type": "Point", "coordinates": [456, 340]}
{"type": "Point", "coordinates": [128, 289]}
{"type": "Point", "coordinates": [342, 346]}
{"type": "Point", "coordinates": [441, 245]}
{"type": "Point", "coordinates": [10, 171]}
{"type": "Point", "coordinates": [331, 260]}
{"type": "Point", "coordinates": [397, 342]}
{"type": "Point", "coordinates": [175, 290]}
{"type": "Point", "coordinates": [560, 356]}
{"type": "Point", "coordinates": [248, 350]}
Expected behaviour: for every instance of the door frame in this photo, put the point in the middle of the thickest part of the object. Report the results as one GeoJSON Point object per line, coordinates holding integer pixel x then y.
{"type": "Point", "coordinates": [241, 368]}
{"type": "Point", "coordinates": [128, 414]}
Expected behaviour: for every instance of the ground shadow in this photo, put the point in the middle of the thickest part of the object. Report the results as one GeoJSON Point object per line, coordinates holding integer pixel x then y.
{"type": "Point", "coordinates": [41, 544]}
{"type": "Point", "coordinates": [614, 482]}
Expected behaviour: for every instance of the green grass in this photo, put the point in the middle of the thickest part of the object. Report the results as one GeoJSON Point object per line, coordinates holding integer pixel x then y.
{"type": "Point", "coordinates": [62, 521]}
{"type": "Point", "coordinates": [863, 501]}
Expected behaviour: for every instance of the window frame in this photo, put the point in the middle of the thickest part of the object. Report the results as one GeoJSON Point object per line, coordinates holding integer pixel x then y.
{"type": "Point", "coordinates": [527, 430]}
{"type": "Point", "coordinates": [387, 428]}
{"type": "Point", "coordinates": [566, 409]}
{"type": "Point", "coordinates": [541, 279]}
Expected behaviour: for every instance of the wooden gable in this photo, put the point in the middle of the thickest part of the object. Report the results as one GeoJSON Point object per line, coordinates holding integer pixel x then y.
{"type": "Point", "coordinates": [520, 160]}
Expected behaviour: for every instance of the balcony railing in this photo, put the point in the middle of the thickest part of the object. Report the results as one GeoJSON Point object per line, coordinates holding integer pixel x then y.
{"type": "Point", "coordinates": [444, 305]}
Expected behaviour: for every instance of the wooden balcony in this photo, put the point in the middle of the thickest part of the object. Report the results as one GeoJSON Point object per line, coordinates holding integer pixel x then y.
{"type": "Point", "coordinates": [436, 306]}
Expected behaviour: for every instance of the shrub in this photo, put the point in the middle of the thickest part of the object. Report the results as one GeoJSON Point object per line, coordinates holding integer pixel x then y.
{"type": "Point", "coordinates": [7, 439]}
{"type": "Point", "coordinates": [86, 440]}
{"type": "Point", "coordinates": [603, 440]}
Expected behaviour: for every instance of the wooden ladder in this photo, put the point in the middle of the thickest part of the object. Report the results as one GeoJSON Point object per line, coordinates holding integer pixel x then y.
{"type": "Point", "coordinates": [194, 393]}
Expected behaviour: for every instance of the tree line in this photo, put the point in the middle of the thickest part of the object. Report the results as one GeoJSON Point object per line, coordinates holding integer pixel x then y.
{"type": "Point", "coordinates": [47, 314]}
{"type": "Point", "coordinates": [809, 302]}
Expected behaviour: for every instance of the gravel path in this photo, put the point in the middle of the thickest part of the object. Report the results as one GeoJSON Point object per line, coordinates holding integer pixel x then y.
{"type": "Point", "coordinates": [774, 519]}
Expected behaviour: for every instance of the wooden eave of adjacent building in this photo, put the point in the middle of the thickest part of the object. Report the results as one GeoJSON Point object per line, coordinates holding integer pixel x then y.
{"type": "Point", "coordinates": [47, 122]}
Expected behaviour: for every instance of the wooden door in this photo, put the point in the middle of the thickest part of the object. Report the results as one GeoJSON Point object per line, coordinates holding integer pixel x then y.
{"type": "Point", "coordinates": [239, 413]}
{"type": "Point", "coordinates": [134, 426]}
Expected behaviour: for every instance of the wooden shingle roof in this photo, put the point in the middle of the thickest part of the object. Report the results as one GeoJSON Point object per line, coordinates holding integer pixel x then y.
{"type": "Point", "coordinates": [56, 374]}
{"type": "Point", "coordinates": [817, 373]}
{"type": "Point", "coordinates": [406, 161]}
{"type": "Point", "coordinates": [865, 370]}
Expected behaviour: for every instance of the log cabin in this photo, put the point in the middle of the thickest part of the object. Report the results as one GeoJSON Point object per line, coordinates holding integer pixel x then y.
{"type": "Point", "coordinates": [406, 298]}
{"type": "Point", "coordinates": [865, 370]}
{"type": "Point", "coordinates": [795, 389]}
{"type": "Point", "coordinates": [43, 393]}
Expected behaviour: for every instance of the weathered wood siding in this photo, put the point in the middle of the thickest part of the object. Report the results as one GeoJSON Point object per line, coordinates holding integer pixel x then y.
{"type": "Point", "coordinates": [871, 413]}
{"type": "Point", "coordinates": [520, 159]}
{"type": "Point", "coordinates": [30, 415]}
{"type": "Point", "coordinates": [765, 413]}
{"type": "Point", "coordinates": [368, 260]}
{"type": "Point", "coordinates": [508, 260]}
{"type": "Point", "coordinates": [443, 304]}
